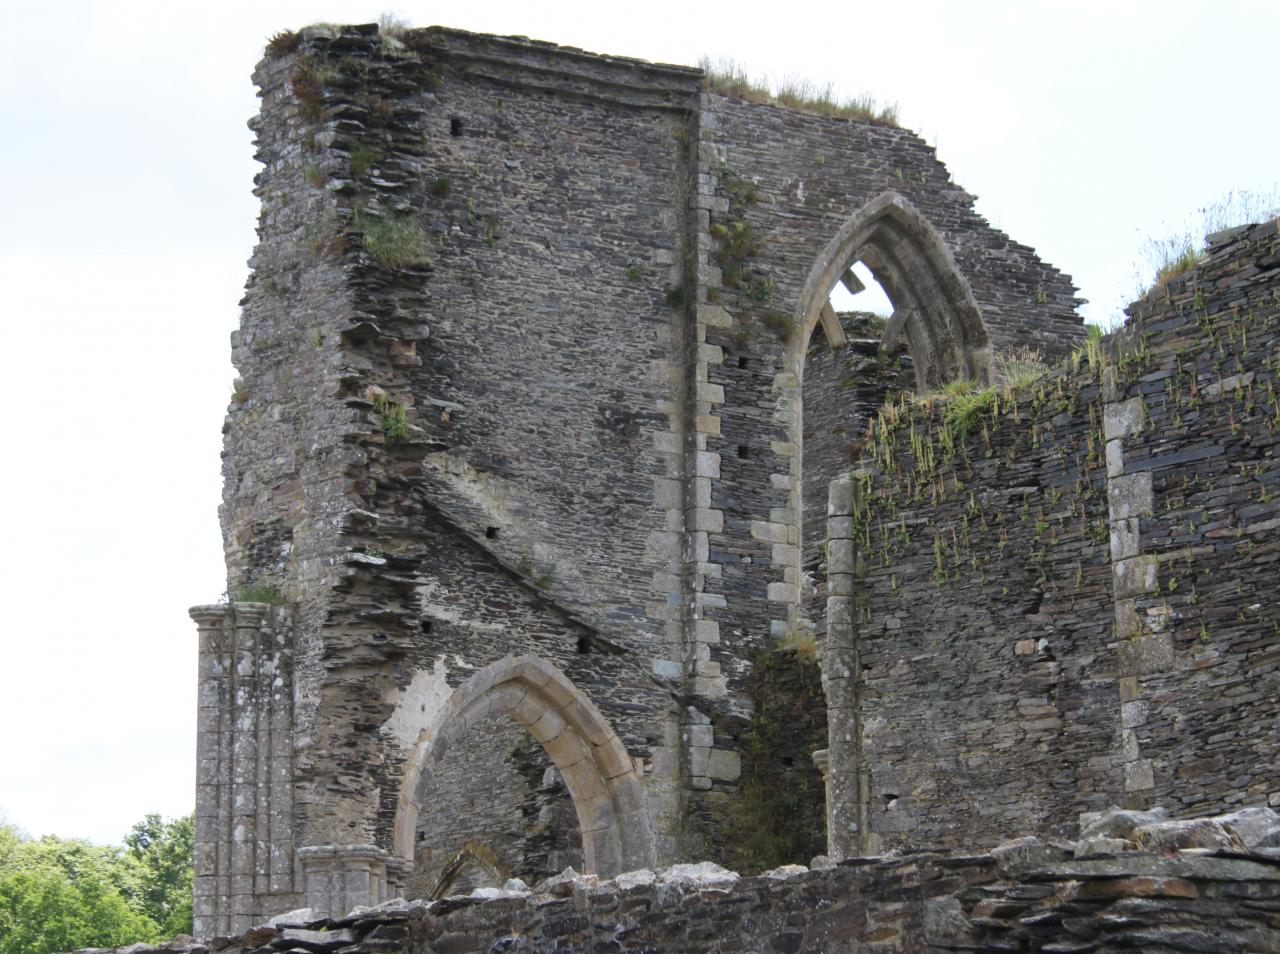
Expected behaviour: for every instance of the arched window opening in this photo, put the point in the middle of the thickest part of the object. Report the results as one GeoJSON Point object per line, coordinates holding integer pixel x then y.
{"type": "Point", "coordinates": [884, 311]}
{"type": "Point", "coordinates": [494, 807]}
{"type": "Point", "coordinates": [521, 717]}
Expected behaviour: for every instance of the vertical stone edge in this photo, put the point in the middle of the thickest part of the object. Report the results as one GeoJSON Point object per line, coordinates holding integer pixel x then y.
{"type": "Point", "coordinates": [1143, 645]}
{"type": "Point", "coordinates": [846, 822]}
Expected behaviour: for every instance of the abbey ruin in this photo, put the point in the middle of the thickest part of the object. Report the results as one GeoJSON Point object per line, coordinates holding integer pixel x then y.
{"type": "Point", "coordinates": [567, 523]}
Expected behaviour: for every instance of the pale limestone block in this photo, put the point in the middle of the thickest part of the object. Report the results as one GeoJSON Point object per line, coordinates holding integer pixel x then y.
{"type": "Point", "coordinates": [714, 316]}
{"type": "Point", "coordinates": [840, 497]}
{"type": "Point", "coordinates": [666, 442]}
{"type": "Point", "coordinates": [667, 492]}
{"type": "Point", "coordinates": [1143, 655]}
{"type": "Point", "coordinates": [1128, 622]}
{"type": "Point", "coordinates": [1134, 714]}
{"type": "Point", "coordinates": [1138, 776]}
{"type": "Point", "coordinates": [724, 764]}
{"type": "Point", "coordinates": [1124, 539]}
{"type": "Point", "coordinates": [769, 532]}
{"type": "Point", "coordinates": [706, 464]}
{"type": "Point", "coordinates": [706, 631]}
{"type": "Point", "coordinates": [567, 749]}
{"type": "Point", "coordinates": [711, 393]}
{"type": "Point", "coordinates": [701, 491]}
{"type": "Point", "coordinates": [840, 528]}
{"type": "Point", "coordinates": [840, 556]}
{"type": "Point", "coordinates": [783, 593]}
{"type": "Point", "coordinates": [1130, 496]}
{"type": "Point", "coordinates": [696, 548]}
{"type": "Point", "coordinates": [711, 521]}
{"type": "Point", "coordinates": [708, 424]}
{"type": "Point", "coordinates": [1134, 576]}
{"type": "Point", "coordinates": [1115, 458]}
{"type": "Point", "coordinates": [699, 736]}
{"type": "Point", "coordinates": [709, 687]}
{"type": "Point", "coordinates": [841, 585]}
{"type": "Point", "coordinates": [784, 554]}
{"type": "Point", "coordinates": [1129, 745]}
{"type": "Point", "coordinates": [1123, 418]}
{"type": "Point", "coordinates": [665, 545]}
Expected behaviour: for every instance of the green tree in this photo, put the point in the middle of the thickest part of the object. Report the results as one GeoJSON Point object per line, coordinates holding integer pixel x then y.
{"type": "Point", "coordinates": [59, 895]}
{"type": "Point", "coordinates": [164, 850]}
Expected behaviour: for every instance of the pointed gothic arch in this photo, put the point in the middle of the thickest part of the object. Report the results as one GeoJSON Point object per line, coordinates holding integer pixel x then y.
{"type": "Point", "coordinates": [597, 770]}
{"type": "Point", "coordinates": [934, 307]}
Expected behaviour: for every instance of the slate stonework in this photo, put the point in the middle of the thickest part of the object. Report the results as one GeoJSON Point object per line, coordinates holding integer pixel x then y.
{"type": "Point", "coordinates": [1075, 603]}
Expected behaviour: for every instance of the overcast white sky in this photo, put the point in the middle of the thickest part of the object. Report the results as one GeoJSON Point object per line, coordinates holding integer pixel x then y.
{"type": "Point", "coordinates": [1083, 127]}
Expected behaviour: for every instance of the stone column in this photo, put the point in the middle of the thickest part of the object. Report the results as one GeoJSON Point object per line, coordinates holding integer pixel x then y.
{"type": "Point", "coordinates": [846, 820]}
{"type": "Point", "coordinates": [206, 908]}
{"type": "Point", "coordinates": [244, 775]}
{"type": "Point", "coordinates": [338, 878]}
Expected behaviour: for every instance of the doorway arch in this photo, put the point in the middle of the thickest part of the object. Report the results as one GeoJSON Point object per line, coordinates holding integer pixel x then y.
{"type": "Point", "coordinates": [602, 781]}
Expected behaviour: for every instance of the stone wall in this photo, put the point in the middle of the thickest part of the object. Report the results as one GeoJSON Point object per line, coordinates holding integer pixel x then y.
{"type": "Point", "coordinates": [520, 420]}
{"type": "Point", "coordinates": [787, 202]}
{"type": "Point", "coordinates": [1102, 894]}
{"type": "Point", "coordinates": [1193, 423]}
{"type": "Point", "coordinates": [1067, 599]}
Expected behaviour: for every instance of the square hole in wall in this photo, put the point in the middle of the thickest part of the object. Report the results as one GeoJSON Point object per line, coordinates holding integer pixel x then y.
{"type": "Point", "coordinates": [491, 533]}
{"type": "Point", "coordinates": [744, 451]}
{"type": "Point", "coordinates": [455, 125]}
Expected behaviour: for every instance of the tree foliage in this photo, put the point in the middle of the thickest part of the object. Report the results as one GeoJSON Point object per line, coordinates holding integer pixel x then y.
{"type": "Point", "coordinates": [164, 850]}
{"type": "Point", "coordinates": [61, 894]}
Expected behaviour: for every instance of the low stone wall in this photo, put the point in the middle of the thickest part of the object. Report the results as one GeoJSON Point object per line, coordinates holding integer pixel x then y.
{"type": "Point", "coordinates": [1134, 881]}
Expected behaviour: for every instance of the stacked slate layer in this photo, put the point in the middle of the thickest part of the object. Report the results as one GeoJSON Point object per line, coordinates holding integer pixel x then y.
{"type": "Point", "coordinates": [1024, 896]}
{"type": "Point", "coordinates": [1198, 601]}
{"type": "Point", "coordinates": [493, 383]}
{"type": "Point", "coordinates": [1070, 597]}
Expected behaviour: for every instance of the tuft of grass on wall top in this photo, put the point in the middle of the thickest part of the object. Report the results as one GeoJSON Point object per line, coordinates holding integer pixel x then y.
{"type": "Point", "coordinates": [731, 79]}
{"type": "Point", "coordinates": [1181, 250]}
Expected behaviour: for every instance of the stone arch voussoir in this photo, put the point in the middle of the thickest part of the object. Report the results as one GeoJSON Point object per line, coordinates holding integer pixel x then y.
{"type": "Point", "coordinates": [606, 790]}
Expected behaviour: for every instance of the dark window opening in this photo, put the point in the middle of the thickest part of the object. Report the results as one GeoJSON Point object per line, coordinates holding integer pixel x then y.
{"type": "Point", "coordinates": [742, 361]}
{"type": "Point", "coordinates": [455, 125]}
{"type": "Point", "coordinates": [584, 645]}
{"type": "Point", "coordinates": [788, 762]}
{"type": "Point", "coordinates": [744, 451]}
{"type": "Point", "coordinates": [491, 533]}
{"type": "Point", "coordinates": [426, 626]}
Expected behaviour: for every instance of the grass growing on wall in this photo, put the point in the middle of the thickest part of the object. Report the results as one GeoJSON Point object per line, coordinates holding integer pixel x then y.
{"type": "Point", "coordinates": [394, 240]}
{"type": "Point", "coordinates": [731, 79]}
{"type": "Point", "coordinates": [1182, 249]}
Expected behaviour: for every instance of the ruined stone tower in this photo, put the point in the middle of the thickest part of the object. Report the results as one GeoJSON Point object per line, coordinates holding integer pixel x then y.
{"type": "Point", "coordinates": [540, 392]}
